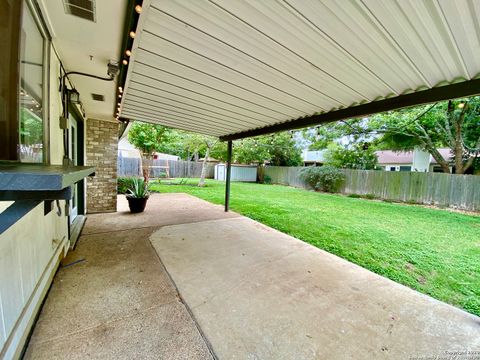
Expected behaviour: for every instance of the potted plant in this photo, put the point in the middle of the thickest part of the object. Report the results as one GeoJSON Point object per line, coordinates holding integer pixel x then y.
{"type": "Point", "coordinates": [137, 195]}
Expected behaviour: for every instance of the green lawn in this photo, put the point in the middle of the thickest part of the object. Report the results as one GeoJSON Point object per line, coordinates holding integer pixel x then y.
{"type": "Point", "coordinates": [433, 251]}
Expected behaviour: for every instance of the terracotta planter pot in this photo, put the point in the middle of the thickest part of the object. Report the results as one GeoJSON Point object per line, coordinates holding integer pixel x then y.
{"type": "Point", "coordinates": [137, 205]}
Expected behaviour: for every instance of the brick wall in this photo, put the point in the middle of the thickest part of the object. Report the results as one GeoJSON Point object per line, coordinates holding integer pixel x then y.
{"type": "Point", "coordinates": [102, 145]}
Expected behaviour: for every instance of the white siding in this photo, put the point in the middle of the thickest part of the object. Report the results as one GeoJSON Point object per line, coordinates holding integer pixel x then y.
{"type": "Point", "coordinates": [421, 160]}
{"type": "Point", "coordinates": [26, 249]}
{"type": "Point", "coordinates": [30, 249]}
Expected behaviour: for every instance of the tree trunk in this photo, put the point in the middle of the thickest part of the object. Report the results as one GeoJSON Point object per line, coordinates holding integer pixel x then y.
{"type": "Point", "coordinates": [440, 160]}
{"type": "Point", "coordinates": [146, 163]}
{"type": "Point", "coordinates": [458, 150]}
{"type": "Point", "coordinates": [201, 183]}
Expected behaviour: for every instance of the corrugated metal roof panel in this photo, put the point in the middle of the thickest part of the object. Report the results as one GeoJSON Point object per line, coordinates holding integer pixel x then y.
{"type": "Point", "coordinates": [228, 66]}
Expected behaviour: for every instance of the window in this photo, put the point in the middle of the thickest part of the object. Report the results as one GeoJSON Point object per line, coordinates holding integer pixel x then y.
{"type": "Point", "coordinates": [32, 88]}
{"type": "Point", "coordinates": [10, 11]}
{"type": "Point", "coordinates": [405, 168]}
{"type": "Point", "coordinates": [393, 168]}
{"type": "Point", "coordinates": [23, 82]}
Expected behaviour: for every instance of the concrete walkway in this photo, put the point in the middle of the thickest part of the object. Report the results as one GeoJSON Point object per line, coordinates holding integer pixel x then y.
{"type": "Point", "coordinates": [260, 294]}
{"type": "Point", "coordinates": [118, 302]}
{"type": "Point", "coordinates": [254, 293]}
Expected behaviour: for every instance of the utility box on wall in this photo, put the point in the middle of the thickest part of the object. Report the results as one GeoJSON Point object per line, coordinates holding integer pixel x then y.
{"type": "Point", "coordinates": [247, 173]}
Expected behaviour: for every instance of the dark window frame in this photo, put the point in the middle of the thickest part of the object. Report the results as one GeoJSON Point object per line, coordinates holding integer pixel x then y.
{"type": "Point", "coordinates": [10, 152]}
{"type": "Point", "coordinates": [13, 14]}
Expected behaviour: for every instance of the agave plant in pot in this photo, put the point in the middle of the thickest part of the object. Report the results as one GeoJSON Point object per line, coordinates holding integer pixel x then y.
{"type": "Point", "coordinates": [137, 195]}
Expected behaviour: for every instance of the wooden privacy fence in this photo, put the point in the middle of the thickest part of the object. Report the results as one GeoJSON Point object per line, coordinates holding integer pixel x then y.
{"type": "Point", "coordinates": [445, 190]}
{"type": "Point", "coordinates": [129, 166]}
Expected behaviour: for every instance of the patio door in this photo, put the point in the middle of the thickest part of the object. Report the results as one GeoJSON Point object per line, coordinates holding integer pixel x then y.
{"type": "Point", "coordinates": [73, 140]}
{"type": "Point", "coordinates": [76, 154]}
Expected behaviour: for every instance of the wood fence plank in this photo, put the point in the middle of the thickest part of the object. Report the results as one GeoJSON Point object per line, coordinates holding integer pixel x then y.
{"type": "Point", "coordinates": [440, 189]}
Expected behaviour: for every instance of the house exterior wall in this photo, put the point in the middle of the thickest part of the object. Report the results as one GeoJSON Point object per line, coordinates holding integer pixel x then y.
{"type": "Point", "coordinates": [101, 150]}
{"type": "Point", "coordinates": [396, 166]}
{"type": "Point", "coordinates": [421, 160]}
{"type": "Point", "coordinates": [30, 250]}
{"type": "Point", "coordinates": [438, 168]}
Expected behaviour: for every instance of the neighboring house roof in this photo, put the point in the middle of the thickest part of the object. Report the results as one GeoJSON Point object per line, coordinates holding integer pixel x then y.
{"type": "Point", "coordinates": [405, 157]}
{"type": "Point", "coordinates": [314, 156]}
{"type": "Point", "coordinates": [162, 156]}
{"type": "Point", "coordinates": [126, 149]}
{"type": "Point", "coordinates": [210, 159]}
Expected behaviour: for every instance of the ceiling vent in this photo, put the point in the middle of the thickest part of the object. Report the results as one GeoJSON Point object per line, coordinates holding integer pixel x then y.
{"type": "Point", "coordinates": [98, 97]}
{"type": "Point", "coordinates": [84, 9]}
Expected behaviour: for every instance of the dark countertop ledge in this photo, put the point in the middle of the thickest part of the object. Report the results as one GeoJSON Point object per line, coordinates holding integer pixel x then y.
{"type": "Point", "coordinates": [38, 177]}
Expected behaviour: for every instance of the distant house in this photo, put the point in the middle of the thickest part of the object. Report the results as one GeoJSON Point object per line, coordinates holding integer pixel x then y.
{"type": "Point", "coordinates": [416, 160]}
{"type": "Point", "coordinates": [313, 158]}
{"type": "Point", "coordinates": [125, 149]}
{"type": "Point", "coordinates": [210, 160]}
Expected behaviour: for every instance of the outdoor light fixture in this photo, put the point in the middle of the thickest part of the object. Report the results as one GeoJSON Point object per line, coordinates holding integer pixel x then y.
{"type": "Point", "coordinates": [125, 62]}
{"type": "Point", "coordinates": [120, 89]}
{"type": "Point", "coordinates": [112, 68]}
{"type": "Point", "coordinates": [74, 96]}
{"type": "Point", "coordinates": [138, 9]}
{"type": "Point", "coordinates": [119, 96]}
{"type": "Point", "coordinates": [132, 34]}
{"type": "Point", "coordinates": [461, 105]}
{"type": "Point", "coordinates": [128, 53]}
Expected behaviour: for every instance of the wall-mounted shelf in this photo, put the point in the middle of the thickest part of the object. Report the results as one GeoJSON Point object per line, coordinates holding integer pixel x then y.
{"type": "Point", "coordinates": [40, 182]}
{"type": "Point", "coordinates": [30, 184]}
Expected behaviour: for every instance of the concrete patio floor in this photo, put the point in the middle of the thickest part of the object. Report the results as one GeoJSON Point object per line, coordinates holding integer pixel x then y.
{"type": "Point", "coordinates": [246, 292]}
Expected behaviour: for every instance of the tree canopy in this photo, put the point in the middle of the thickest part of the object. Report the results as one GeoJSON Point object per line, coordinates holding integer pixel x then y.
{"type": "Point", "coordinates": [278, 149]}
{"type": "Point", "coordinates": [357, 156]}
{"type": "Point", "coordinates": [451, 124]}
{"type": "Point", "coordinates": [147, 138]}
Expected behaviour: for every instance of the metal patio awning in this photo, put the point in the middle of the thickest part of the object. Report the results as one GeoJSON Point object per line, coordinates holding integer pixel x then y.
{"type": "Point", "coordinates": [232, 68]}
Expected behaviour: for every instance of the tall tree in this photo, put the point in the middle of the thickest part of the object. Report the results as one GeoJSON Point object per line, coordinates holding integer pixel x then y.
{"type": "Point", "coordinates": [454, 124]}
{"type": "Point", "coordinates": [358, 156]}
{"type": "Point", "coordinates": [147, 138]}
{"type": "Point", "coordinates": [197, 143]}
{"type": "Point", "coordinates": [278, 149]}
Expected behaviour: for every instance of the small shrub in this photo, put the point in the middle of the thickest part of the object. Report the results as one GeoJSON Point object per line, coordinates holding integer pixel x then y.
{"type": "Point", "coordinates": [267, 180]}
{"type": "Point", "coordinates": [123, 184]}
{"type": "Point", "coordinates": [311, 176]}
{"type": "Point", "coordinates": [369, 196]}
{"type": "Point", "coordinates": [326, 178]}
{"type": "Point", "coordinates": [355, 196]}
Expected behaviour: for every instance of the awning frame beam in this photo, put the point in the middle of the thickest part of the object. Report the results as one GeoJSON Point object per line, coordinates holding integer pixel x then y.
{"type": "Point", "coordinates": [447, 92]}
